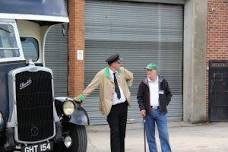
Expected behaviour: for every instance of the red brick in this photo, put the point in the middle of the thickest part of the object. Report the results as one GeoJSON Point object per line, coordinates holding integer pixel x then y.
{"type": "Point", "coordinates": [217, 32]}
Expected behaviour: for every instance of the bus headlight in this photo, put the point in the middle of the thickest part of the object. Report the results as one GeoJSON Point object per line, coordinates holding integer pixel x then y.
{"type": "Point", "coordinates": [68, 107]}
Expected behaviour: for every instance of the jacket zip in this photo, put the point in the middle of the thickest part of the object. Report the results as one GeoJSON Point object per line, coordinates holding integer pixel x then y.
{"type": "Point", "coordinates": [160, 79]}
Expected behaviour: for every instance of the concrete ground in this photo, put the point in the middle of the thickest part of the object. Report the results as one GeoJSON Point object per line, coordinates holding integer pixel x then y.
{"type": "Point", "coordinates": [184, 137]}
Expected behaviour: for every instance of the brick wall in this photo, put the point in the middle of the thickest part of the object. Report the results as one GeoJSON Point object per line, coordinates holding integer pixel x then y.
{"type": "Point", "coordinates": [217, 31]}
{"type": "Point", "coordinates": [76, 42]}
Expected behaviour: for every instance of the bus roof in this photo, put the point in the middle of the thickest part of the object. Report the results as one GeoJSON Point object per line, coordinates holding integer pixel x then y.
{"type": "Point", "coordinates": [39, 10]}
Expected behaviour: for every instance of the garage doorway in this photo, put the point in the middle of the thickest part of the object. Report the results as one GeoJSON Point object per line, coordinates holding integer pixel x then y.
{"type": "Point", "coordinates": [218, 92]}
{"type": "Point", "coordinates": [141, 33]}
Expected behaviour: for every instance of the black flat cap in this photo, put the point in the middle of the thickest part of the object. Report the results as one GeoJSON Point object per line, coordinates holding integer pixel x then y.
{"type": "Point", "coordinates": [113, 58]}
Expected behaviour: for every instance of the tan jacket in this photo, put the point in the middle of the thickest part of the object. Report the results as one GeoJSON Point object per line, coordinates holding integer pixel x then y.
{"type": "Point", "coordinates": [106, 86]}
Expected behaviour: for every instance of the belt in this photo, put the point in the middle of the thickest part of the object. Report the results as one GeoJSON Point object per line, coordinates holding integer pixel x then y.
{"type": "Point", "coordinates": [155, 107]}
{"type": "Point", "coordinates": [125, 102]}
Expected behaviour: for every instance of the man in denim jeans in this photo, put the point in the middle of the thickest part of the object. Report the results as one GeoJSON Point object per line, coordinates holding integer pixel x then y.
{"type": "Point", "coordinates": [153, 97]}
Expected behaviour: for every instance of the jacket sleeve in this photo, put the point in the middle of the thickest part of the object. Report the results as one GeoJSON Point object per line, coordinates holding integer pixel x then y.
{"type": "Point", "coordinates": [128, 76]}
{"type": "Point", "coordinates": [140, 97]}
{"type": "Point", "coordinates": [168, 92]}
{"type": "Point", "coordinates": [94, 84]}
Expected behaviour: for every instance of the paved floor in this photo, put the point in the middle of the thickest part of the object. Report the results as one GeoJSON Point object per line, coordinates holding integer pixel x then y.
{"type": "Point", "coordinates": [184, 137]}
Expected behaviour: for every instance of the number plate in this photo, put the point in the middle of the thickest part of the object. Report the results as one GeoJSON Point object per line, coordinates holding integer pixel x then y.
{"type": "Point", "coordinates": [38, 148]}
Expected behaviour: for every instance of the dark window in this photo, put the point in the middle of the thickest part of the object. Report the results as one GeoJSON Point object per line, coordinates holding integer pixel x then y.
{"type": "Point", "coordinates": [30, 48]}
{"type": "Point", "coordinates": [8, 43]}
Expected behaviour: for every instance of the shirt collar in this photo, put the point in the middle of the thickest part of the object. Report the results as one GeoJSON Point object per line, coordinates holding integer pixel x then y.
{"type": "Point", "coordinates": [152, 80]}
{"type": "Point", "coordinates": [110, 70]}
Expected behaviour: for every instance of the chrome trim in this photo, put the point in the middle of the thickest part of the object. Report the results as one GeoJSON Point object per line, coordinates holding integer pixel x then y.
{"type": "Point", "coordinates": [13, 121]}
{"type": "Point", "coordinates": [56, 118]}
{"type": "Point", "coordinates": [9, 48]}
{"type": "Point", "coordinates": [64, 19]}
{"type": "Point", "coordinates": [12, 59]}
{"type": "Point", "coordinates": [62, 99]}
{"type": "Point", "coordinates": [2, 122]}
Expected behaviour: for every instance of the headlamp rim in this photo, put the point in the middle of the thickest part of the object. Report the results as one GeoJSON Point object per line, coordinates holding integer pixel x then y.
{"type": "Point", "coordinates": [68, 101]}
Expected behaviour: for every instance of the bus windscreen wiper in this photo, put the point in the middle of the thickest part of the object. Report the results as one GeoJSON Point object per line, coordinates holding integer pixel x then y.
{"type": "Point", "coordinates": [4, 29]}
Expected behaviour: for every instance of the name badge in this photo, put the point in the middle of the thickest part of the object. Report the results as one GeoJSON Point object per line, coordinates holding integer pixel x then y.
{"type": "Point", "coordinates": [161, 91]}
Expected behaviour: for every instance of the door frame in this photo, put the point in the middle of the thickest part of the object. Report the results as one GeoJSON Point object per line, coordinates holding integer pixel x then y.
{"type": "Point", "coordinates": [213, 64]}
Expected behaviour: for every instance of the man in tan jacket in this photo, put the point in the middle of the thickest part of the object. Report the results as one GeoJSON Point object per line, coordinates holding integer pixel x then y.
{"type": "Point", "coordinates": [113, 82]}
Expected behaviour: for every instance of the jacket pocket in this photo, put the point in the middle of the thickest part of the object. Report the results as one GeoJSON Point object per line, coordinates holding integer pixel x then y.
{"type": "Point", "coordinates": [163, 100]}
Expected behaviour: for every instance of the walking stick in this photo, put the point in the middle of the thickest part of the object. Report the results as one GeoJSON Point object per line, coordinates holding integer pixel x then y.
{"type": "Point", "coordinates": [144, 133]}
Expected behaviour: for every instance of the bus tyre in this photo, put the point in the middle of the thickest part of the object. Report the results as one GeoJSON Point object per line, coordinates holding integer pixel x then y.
{"type": "Point", "coordinates": [79, 139]}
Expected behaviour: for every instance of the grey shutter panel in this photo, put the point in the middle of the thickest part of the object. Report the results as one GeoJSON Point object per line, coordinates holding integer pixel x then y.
{"type": "Point", "coordinates": [141, 33]}
{"type": "Point", "coordinates": [56, 58]}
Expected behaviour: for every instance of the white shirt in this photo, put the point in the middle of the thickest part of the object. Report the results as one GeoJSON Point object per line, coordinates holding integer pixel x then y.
{"type": "Point", "coordinates": [115, 99]}
{"type": "Point", "coordinates": [154, 92]}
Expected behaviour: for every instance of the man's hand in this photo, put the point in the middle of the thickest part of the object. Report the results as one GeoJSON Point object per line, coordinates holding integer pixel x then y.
{"type": "Point", "coordinates": [79, 99]}
{"type": "Point", "coordinates": [143, 113]}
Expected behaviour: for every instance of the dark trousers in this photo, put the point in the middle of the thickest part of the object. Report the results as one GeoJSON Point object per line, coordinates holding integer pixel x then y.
{"type": "Point", "coordinates": [117, 120]}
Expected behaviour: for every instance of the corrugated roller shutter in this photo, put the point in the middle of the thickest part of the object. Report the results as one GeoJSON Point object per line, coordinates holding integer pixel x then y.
{"type": "Point", "coordinates": [56, 58]}
{"type": "Point", "coordinates": [141, 33]}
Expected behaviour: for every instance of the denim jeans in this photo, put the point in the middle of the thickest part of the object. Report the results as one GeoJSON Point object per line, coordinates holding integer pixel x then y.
{"type": "Point", "coordinates": [160, 119]}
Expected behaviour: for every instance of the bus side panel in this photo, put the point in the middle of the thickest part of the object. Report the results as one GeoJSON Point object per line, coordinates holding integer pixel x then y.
{"type": "Point", "coordinates": [4, 95]}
